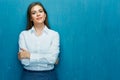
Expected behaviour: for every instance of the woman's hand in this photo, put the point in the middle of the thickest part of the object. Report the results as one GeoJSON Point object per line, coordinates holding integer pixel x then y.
{"type": "Point", "coordinates": [23, 54]}
{"type": "Point", "coordinates": [57, 61]}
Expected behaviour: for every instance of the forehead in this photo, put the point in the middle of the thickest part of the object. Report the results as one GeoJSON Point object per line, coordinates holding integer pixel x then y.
{"type": "Point", "coordinates": [36, 7]}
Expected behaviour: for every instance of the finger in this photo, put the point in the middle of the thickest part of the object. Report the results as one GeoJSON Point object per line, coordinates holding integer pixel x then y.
{"type": "Point", "coordinates": [19, 56]}
{"type": "Point", "coordinates": [57, 61]}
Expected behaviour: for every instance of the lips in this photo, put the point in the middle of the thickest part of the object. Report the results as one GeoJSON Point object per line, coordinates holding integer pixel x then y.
{"type": "Point", "coordinates": [39, 18]}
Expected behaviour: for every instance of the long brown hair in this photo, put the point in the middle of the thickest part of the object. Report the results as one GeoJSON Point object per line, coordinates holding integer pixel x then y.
{"type": "Point", "coordinates": [29, 22]}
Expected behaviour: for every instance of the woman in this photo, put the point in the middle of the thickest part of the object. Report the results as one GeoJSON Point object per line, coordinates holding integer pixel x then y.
{"type": "Point", "coordinates": [38, 46]}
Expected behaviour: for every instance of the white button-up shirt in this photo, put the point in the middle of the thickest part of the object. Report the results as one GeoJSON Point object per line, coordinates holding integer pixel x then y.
{"type": "Point", "coordinates": [43, 49]}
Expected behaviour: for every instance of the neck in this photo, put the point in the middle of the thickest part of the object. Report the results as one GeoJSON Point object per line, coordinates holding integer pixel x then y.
{"type": "Point", "coordinates": [38, 28]}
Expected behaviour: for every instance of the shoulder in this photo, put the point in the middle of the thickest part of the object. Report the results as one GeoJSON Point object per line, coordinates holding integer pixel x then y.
{"type": "Point", "coordinates": [53, 32]}
{"type": "Point", "coordinates": [24, 32]}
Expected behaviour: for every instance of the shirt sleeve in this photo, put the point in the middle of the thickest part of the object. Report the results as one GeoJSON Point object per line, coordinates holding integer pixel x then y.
{"type": "Point", "coordinates": [22, 45]}
{"type": "Point", "coordinates": [50, 56]}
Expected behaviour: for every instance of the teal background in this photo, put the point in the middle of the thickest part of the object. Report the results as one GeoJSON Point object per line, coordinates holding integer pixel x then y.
{"type": "Point", "coordinates": [89, 32]}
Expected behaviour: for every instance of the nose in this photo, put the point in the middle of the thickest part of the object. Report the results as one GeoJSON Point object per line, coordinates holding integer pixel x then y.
{"type": "Point", "coordinates": [38, 13]}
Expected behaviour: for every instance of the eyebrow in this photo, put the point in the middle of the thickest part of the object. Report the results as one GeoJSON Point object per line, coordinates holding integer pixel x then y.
{"type": "Point", "coordinates": [35, 10]}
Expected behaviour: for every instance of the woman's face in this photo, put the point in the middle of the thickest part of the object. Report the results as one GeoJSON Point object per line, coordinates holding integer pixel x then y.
{"type": "Point", "coordinates": [37, 14]}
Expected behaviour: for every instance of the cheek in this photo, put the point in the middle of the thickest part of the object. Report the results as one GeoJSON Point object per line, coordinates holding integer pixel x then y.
{"type": "Point", "coordinates": [44, 16]}
{"type": "Point", "coordinates": [32, 17]}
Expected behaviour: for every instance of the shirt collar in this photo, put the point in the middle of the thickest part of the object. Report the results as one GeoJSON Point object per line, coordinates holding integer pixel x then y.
{"type": "Point", "coordinates": [44, 30]}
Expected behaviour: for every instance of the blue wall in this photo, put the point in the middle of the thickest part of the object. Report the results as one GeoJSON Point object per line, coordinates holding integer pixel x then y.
{"type": "Point", "coordinates": [90, 37]}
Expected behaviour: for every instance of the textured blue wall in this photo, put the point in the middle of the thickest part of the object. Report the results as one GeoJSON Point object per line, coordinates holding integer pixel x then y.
{"type": "Point", "coordinates": [90, 37]}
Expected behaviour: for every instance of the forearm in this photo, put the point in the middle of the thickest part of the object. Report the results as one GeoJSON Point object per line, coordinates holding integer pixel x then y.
{"type": "Point", "coordinates": [47, 58]}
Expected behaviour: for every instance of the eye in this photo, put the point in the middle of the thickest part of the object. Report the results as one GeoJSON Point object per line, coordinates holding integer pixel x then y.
{"type": "Point", "coordinates": [40, 11]}
{"type": "Point", "coordinates": [33, 12]}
